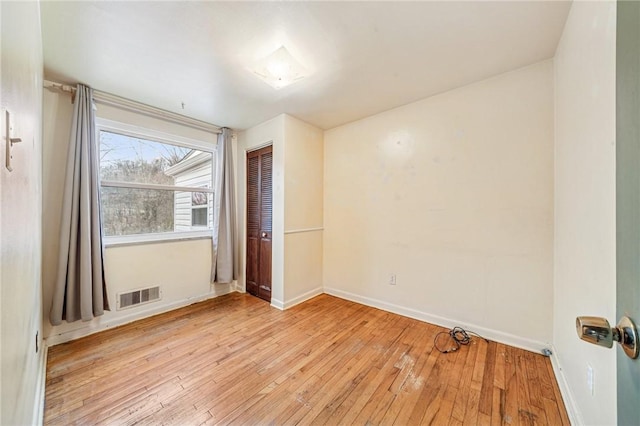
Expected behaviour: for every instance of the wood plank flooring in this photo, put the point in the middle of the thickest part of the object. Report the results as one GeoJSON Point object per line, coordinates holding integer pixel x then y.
{"type": "Point", "coordinates": [236, 360]}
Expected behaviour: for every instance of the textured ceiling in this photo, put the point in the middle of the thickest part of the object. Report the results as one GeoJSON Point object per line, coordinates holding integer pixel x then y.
{"type": "Point", "coordinates": [365, 57]}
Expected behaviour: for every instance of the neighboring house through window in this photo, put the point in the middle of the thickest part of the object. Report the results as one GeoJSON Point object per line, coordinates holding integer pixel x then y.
{"type": "Point", "coordinates": [193, 210]}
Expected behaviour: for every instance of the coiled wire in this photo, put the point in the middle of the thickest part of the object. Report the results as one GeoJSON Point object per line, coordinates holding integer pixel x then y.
{"type": "Point", "coordinates": [459, 336]}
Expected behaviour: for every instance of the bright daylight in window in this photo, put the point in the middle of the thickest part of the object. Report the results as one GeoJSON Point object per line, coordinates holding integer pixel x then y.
{"type": "Point", "coordinates": [153, 189]}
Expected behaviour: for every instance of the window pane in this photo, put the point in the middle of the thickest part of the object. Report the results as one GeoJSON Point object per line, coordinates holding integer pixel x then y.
{"type": "Point", "coordinates": [136, 211]}
{"type": "Point", "coordinates": [130, 159]}
{"type": "Point", "coordinates": [128, 211]}
{"type": "Point", "coordinates": [199, 216]}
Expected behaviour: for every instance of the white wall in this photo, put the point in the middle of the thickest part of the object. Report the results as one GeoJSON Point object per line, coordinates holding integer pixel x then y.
{"type": "Point", "coordinates": [22, 369]}
{"type": "Point", "coordinates": [454, 195]}
{"type": "Point", "coordinates": [585, 200]}
{"type": "Point", "coordinates": [57, 113]}
{"type": "Point", "coordinates": [303, 163]}
{"type": "Point", "coordinates": [268, 133]}
{"type": "Point", "coordinates": [182, 269]}
{"type": "Point", "coordinates": [297, 206]}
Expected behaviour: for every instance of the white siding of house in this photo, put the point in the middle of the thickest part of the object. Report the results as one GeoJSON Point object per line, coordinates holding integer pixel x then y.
{"type": "Point", "coordinates": [199, 176]}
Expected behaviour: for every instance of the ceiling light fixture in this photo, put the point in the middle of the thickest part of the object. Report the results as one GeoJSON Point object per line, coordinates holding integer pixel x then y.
{"type": "Point", "coordinates": [279, 69]}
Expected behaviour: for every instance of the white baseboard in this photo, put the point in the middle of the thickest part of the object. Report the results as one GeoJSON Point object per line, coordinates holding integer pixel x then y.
{"type": "Point", "coordinates": [237, 287]}
{"type": "Point", "coordinates": [94, 327]}
{"type": "Point", "coordinates": [279, 304]}
{"type": "Point", "coordinates": [220, 290]}
{"type": "Point", "coordinates": [38, 406]}
{"type": "Point", "coordinates": [567, 396]}
{"type": "Point", "coordinates": [303, 297]}
{"type": "Point", "coordinates": [491, 334]}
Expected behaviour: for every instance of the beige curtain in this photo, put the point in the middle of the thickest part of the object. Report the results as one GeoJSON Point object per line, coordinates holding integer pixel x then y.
{"type": "Point", "coordinates": [80, 291]}
{"type": "Point", "coordinates": [225, 263]}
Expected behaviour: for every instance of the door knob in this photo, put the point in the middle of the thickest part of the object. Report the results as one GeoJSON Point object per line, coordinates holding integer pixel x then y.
{"type": "Point", "coordinates": [264, 235]}
{"type": "Point", "coordinates": [597, 330]}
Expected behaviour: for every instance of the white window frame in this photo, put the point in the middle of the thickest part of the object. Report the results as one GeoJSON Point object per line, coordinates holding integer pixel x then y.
{"type": "Point", "coordinates": [165, 138]}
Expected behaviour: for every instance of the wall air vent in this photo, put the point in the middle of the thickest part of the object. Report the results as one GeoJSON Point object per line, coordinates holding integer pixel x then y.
{"type": "Point", "coordinates": [138, 297]}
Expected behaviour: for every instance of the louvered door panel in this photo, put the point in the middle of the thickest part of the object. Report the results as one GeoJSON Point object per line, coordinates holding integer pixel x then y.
{"type": "Point", "coordinates": [266, 199]}
{"type": "Point", "coordinates": [266, 210]}
{"type": "Point", "coordinates": [259, 221]}
{"type": "Point", "coordinates": [253, 222]}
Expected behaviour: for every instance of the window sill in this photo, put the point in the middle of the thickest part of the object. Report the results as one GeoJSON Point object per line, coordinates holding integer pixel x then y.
{"type": "Point", "coordinates": [168, 237]}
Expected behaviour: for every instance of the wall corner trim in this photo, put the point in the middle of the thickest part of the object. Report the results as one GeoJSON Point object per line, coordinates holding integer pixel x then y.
{"type": "Point", "coordinates": [565, 390]}
{"type": "Point", "coordinates": [237, 287]}
{"type": "Point", "coordinates": [303, 297]}
{"type": "Point", "coordinates": [283, 306]}
{"type": "Point", "coordinates": [278, 304]}
{"type": "Point", "coordinates": [38, 405]}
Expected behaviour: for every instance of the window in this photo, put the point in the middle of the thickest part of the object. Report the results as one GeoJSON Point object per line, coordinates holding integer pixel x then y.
{"type": "Point", "coordinates": [199, 209]}
{"type": "Point", "coordinates": [153, 186]}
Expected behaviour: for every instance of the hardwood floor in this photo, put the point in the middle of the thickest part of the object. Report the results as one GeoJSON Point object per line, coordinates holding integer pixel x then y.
{"type": "Point", "coordinates": [236, 360]}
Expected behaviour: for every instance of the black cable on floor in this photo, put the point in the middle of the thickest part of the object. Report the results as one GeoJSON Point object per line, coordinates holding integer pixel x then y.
{"type": "Point", "coordinates": [459, 336]}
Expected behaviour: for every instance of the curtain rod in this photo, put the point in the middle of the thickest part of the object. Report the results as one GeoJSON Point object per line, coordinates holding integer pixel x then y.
{"type": "Point", "coordinates": [137, 107]}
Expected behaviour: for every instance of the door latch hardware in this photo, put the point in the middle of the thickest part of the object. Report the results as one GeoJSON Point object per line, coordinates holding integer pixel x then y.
{"type": "Point", "coordinates": [9, 140]}
{"type": "Point", "coordinates": [597, 330]}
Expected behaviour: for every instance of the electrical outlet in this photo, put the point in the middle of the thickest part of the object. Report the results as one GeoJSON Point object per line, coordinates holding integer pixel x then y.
{"type": "Point", "coordinates": [590, 378]}
{"type": "Point", "coordinates": [392, 279]}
